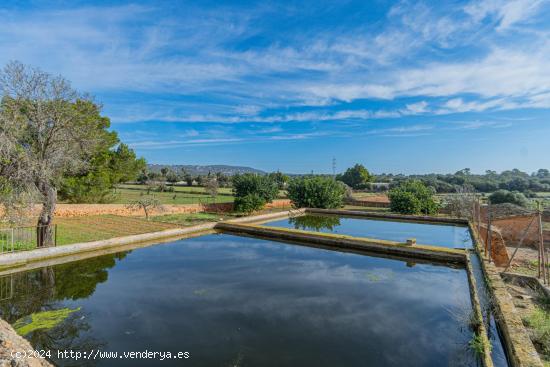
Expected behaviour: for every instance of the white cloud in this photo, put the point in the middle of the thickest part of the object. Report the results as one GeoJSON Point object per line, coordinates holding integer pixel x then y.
{"type": "Point", "coordinates": [506, 12]}
{"type": "Point", "coordinates": [411, 55]}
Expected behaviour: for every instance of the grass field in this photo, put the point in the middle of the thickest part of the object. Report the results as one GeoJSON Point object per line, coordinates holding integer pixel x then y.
{"type": "Point", "coordinates": [184, 189]}
{"type": "Point", "coordinates": [100, 227]}
{"type": "Point", "coordinates": [192, 218]}
{"type": "Point", "coordinates": [193, 191]}
{"type": "Point", "coordinates": [125, 196]}
{"type": "Point", "coordinates": [366, 195]}
{"type": "Point", "coordinates": [366, 208]}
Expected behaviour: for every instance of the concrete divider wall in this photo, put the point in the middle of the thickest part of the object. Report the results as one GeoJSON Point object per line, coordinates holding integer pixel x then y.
{"type": "Point", "coordinates": [433, 253]}
{"type": "Point", "coordinates": [388, 216]}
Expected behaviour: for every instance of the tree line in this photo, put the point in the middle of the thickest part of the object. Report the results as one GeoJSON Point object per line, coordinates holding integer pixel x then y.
{"type": "Point", "coordinates": [490, 181]}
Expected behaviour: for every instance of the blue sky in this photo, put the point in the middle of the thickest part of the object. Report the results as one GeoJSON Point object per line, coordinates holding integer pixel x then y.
{"type": "Point", "coordinates": [408, 87]}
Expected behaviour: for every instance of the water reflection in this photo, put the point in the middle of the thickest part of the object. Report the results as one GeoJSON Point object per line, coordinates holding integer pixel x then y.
{"type": "Point", "coordinates": [243, 301]}
{"type": "Point", "coordinates": [48, 289]}
{"type": "Point", "coordinates": [315, 222]}
{"type": "Point", "coordinates": [453, 236]}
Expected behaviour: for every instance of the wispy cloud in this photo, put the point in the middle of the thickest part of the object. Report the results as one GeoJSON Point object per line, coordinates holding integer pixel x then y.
{"type": "Point", "coordinates": [240, 66]}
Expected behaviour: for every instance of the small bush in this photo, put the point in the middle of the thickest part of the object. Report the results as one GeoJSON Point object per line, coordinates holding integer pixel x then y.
{"type": "Point", "coordinates": [316, 192]}
{"type": "Point", "coordinates": [478, 344]}
{"type": "Point", "coordinates": [249, 203]}
{"type": "Point", "coordinates": [505, 196]}
{"type": "Point", "coordinates": [253, 191]}
{"type": "Point", "coordinates": [413, 197]}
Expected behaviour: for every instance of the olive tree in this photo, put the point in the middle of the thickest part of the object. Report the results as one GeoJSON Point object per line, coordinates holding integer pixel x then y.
{"type": "Point", "coordinates": [46, 130]}
{"type": "Point", "coordinates": [461, 203]}
{"type": "Point", "coordinates": [147, 204]}
{"type": "Point", "coordinates": [211, 187]}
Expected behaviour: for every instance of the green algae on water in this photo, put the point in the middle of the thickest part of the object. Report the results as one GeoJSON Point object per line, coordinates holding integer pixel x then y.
{"type": "Point", "coordinates": [42, 320]}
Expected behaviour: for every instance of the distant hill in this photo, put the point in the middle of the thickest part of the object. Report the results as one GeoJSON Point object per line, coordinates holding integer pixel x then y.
{"type": "Point", "coordinates": [203, 170]}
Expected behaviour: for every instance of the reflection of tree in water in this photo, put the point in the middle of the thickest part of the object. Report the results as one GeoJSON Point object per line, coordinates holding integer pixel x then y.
{"type": "Point", "coordinates": [315, 222]}
{"type": "Point", "coordinates": [45, 289]}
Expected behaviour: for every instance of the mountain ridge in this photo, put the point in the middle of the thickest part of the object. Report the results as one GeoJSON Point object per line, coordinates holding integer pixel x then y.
{"type": "Point", "coordinates": [197, 169]}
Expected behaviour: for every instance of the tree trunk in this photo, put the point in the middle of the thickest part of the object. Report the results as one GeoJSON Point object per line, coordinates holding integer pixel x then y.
{"type": "Point", "coordinates": [44, 229]}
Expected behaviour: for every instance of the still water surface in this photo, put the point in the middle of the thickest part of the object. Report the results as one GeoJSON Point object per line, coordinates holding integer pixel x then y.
{"type": "Point", "coordinates": [239, 301]}
{"type": "Point", "coordinates": [452, 236]}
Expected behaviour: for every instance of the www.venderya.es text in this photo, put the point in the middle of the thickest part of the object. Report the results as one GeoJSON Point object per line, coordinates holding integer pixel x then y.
{"type": "Point", "coordinates": [99, 354]}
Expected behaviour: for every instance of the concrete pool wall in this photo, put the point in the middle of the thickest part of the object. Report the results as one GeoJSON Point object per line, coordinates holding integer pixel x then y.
{"type": "Point", "coordinates": [519, 347]}
{"type": "Point", "coordinates": [22, 258]}
{"type": "Point", "coordinates": [521, 351]}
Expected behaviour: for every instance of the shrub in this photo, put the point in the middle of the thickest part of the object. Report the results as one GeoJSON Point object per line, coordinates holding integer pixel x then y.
{"type": "Point", "coordinates": [505, 196]}
{"type": "Point", "coordinates": [413, 197]}
{"type": "Point", "coordinates": [249, 203]}
{"type": "Point", "coordinates": [260, 185]}
{"type": "Point", "coordinates": [316, 192]}
{"type": "Point", "coordinates": [539, 325]}
{"type": "Point", "coordinates": [253, 191]}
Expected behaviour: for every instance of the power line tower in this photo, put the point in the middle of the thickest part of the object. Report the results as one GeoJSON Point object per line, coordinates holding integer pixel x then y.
{"type": "Point", "coordinates": [334, 167]}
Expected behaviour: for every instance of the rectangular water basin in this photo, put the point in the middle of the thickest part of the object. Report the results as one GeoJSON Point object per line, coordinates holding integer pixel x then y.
{"type": "Point", "coordinates": [241, 301]}
{"type": "Point", "coordinates": [445, 235]}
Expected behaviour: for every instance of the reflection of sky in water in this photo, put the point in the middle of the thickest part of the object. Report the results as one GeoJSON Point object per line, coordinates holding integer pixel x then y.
{"type": "Point", "coordinates": [426, 234]}
{"type": "Point", "coordinates": [252, 302]}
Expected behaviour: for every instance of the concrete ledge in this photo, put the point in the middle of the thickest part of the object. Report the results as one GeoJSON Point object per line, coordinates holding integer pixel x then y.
{"type": "Point", "coordinates": [262, 218]}
{"type": "Point", "coordinates": [52, 261]}
{"type": "Point", "coordinates": [17, 259]}
{"type": "Point", "coordinates": [386, 216]}
{"type": "Point", "coordinates": [21, 260]}
{"type": "Point", "coordinates": [432, 253]}
{"type": "Point", "coordinates": [520, 348]}
{"type": "Point", "coordinates": [476, 306]}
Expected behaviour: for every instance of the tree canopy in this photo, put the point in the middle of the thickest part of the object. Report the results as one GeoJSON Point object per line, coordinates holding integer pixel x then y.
{"type": "Point", "coordinates": [490, 181]}
{"type": "Point", "coordinates": [356, 177]}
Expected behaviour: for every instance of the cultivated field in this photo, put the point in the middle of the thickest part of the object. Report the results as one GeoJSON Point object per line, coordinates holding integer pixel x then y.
{"type": "Point", "coordinates": [100, 227]}
{"type": "Point", "coordinates": [127, 195]}
{"type": "Point", "coordinates": [184, 189]}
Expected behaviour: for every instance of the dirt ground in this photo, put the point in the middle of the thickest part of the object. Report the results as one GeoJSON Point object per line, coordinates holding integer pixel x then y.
{"type": "Point", "coordinates": [527, 301]}
{"type": "Point", "coordinates": [525, 261]}
{"type": "Point", "coordinates": [370, 197]}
